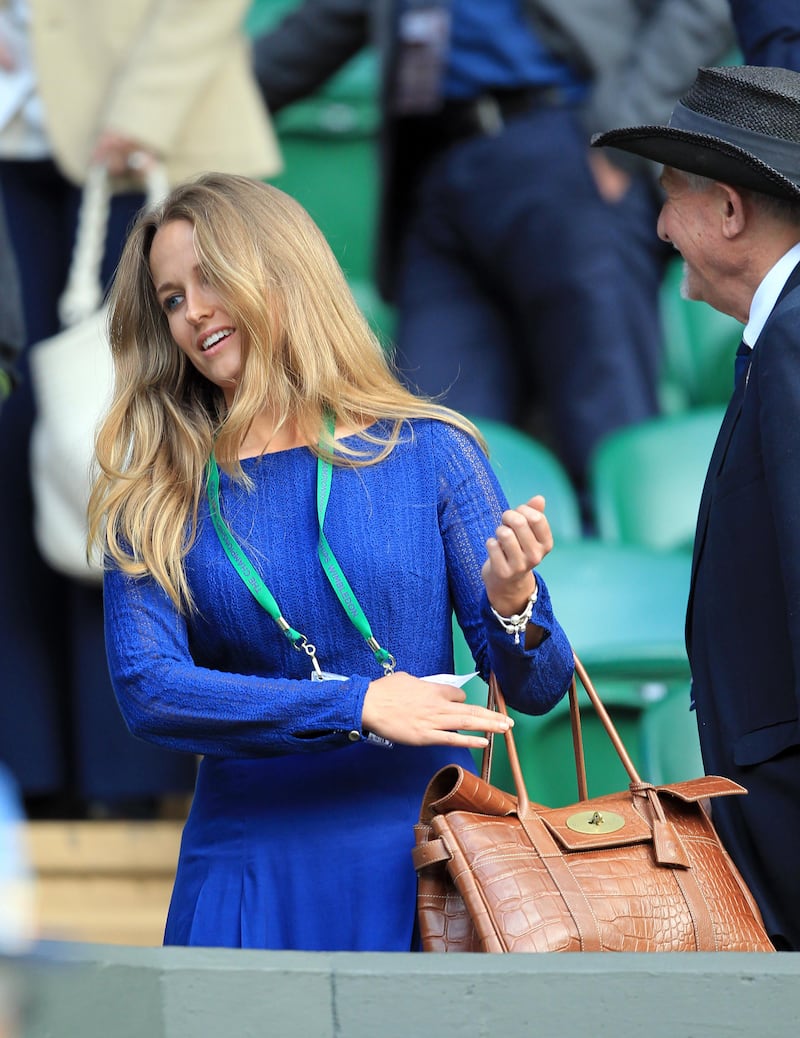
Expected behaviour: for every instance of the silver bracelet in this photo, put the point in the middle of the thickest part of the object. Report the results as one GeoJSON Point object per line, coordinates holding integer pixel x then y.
{"type": "Point", "coordinates": [517, 623]}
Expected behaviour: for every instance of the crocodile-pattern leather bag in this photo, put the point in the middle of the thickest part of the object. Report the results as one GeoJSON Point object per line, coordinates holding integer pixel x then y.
{"type": "Point", "coordinates": [639, 870]}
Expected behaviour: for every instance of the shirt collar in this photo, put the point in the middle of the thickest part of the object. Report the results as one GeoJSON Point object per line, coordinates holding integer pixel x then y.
{"type": "Point", "coordinates": [767, 294]}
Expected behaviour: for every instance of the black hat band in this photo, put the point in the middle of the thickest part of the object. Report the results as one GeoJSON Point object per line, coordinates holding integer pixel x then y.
{"type": "Point", "coordinates": [781, 154]}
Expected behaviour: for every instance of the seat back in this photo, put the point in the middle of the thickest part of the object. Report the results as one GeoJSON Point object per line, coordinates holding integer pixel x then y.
{"type": "Point", "coordinates": [526, 467]}
{"type": "Point", "coordinates": [670, 744]}
{"type": "Point", "coordinates": [699, 346]}
{"type": "Point", "coordinates": [646, 479]}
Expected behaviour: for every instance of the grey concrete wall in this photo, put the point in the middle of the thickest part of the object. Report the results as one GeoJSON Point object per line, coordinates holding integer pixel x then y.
{"type": "Point", "coordinates": [112, 992]}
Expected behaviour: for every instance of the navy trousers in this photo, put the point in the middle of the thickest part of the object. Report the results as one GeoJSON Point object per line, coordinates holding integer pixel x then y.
{"type": "Point", "coordinates": [61, 733]}
{"type": "Point", "coordinates": [519, 285]}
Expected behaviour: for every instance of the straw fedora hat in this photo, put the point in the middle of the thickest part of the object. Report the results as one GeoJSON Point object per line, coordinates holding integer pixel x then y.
{"type": "Point", "coordinates": [737, 124]}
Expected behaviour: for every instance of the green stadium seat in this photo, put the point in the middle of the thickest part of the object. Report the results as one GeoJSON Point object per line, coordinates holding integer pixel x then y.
{"type": "Point", "coordinates": [526, 467]}
{"type": "Point", "coordinates": [646, 479]}
{"type": "Point", "coordinates": [699, 343]}
{"type": "Point", "coordinates": [670, 745]}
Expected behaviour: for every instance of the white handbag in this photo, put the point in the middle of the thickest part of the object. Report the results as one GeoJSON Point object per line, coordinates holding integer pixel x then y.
{"type": "Point", "coordinates": [72, 379]}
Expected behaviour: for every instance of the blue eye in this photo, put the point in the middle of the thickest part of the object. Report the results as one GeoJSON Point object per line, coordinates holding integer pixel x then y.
{"type": "Point", "coordinates": [171, 302]}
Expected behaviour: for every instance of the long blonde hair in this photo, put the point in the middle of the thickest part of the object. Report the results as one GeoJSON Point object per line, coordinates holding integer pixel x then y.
{"type": "Point", "coordinates": [306, 350]}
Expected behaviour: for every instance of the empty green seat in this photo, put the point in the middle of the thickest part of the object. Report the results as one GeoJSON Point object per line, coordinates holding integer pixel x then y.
{"type": "Point", "coordinates": [646, 479]}
{"type": "Point", "coordinates": [699, 347]}
{"type": "Point", "coordinates": [526, 467]}
{"type": "Point", "coordinates": [670, 745]}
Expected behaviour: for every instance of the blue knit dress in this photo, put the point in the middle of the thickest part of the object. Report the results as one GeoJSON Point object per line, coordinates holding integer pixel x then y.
{"type": "Point", "coordinates": [299, 838]}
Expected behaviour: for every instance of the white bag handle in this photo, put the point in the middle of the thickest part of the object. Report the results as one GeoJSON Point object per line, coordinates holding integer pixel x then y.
{"type": "Point", "coordinates": [84, 290]}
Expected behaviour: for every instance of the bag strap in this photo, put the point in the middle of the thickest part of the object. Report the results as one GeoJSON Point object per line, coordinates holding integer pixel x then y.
{"type": "Point", "coordinates": [608, 724]}
{"type": "Point", "coordinates": [496, 701]}
{"type": "Point", "coordinates": [84, 290]}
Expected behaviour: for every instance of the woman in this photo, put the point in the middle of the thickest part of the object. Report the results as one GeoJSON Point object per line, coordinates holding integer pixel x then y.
{"type": "Point", "coordinates": [357, 516]}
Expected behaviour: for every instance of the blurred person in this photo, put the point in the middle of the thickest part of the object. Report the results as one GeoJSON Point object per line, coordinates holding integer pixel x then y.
{"type": "Point", "coordinates": [279, 616]}
{"type": "Point", "coordinates": [12, 330]}
{"type": "Point", "coordinates": [768, 32]}
{"type": "Point", "coordinates": [731, 155]}
{"type": "Point", "coordinates": [17, 912]}
{"type": "Point", "coordinates": [123, 84]}
{"type": "Point", "coordinates": [517, 266]}
{"type": "Point", "coordinates": [16, 882]}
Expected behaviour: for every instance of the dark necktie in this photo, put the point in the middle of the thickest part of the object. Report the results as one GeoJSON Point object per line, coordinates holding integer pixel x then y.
{"type": "Point", "coordinates": [743, 357]}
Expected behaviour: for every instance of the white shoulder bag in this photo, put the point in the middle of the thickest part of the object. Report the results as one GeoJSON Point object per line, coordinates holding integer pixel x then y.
{"type": "Point", "coordinates": [72, 379]}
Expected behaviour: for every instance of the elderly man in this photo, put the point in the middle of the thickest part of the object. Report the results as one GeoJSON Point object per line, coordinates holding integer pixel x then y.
{"type": "Point", "coordinates": [731, 156]}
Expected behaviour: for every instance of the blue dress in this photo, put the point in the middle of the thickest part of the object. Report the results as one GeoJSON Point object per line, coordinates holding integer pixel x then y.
{"type": "Point", "coordinates": [299, 838]}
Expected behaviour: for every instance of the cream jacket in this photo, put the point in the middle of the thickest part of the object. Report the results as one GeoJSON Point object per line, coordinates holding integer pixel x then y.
{"type": "Point", "coordinates": [173, 74]}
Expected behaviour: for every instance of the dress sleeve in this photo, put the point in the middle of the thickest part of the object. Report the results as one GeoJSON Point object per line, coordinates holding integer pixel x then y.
{"type": "Point", "coordinates": [471, 504]}
{"type": "Point", "coordinates": [167, 699]}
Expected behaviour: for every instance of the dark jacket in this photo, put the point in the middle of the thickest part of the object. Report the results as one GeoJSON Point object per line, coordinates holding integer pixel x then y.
{"type": "Point", "coordinates": [743, 621]}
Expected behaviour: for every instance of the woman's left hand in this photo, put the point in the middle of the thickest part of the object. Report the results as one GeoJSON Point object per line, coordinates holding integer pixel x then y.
{"type": "Point", "coordinates": [519, 544]}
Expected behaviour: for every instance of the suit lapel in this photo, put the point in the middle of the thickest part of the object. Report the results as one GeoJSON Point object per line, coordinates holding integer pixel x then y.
{"type": "Point", "coordinates": [718, 458]}
{"type": "Point", "coordinates": [715, 464]}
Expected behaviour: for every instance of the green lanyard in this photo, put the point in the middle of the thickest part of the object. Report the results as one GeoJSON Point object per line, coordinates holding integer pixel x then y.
{"type": "Point", "coordinates": [333, 571]}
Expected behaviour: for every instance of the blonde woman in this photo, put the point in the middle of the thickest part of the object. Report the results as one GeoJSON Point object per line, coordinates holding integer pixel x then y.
{"type": "Point", "coordinates": [288, 531]}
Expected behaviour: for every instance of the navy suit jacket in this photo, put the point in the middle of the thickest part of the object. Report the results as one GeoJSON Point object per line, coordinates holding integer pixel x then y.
{"type": "Point", "coordinates": [743, 621]}
{"type": "Point", "coordinates": [768, 31]}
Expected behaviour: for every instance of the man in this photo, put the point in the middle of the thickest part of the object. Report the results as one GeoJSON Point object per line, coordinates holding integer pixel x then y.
{"type": "Point", "coordinates": [731, 155]}
{"type": "Point", "coordinates": [514, 264]}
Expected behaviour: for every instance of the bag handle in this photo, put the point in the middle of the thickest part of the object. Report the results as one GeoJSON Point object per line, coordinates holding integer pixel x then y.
{"type": "Point", "coordinates": [84, 290]}
{"type": "Point", "coordinates": [497, 702]}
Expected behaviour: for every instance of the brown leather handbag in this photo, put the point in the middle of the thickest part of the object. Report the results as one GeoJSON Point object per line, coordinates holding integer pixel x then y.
{"type": "Point", "coordinates": [639, 870]}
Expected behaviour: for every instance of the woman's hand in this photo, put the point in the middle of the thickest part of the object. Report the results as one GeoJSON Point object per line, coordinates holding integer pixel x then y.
{"type": "Point", "coordinates": [8, 60]}
{"type": "Point", "coordinates": [519, 544]}
{"type": "Point", "coordinates": [120, 154]}
{"type": "Point", "coordinates": [408, 710]}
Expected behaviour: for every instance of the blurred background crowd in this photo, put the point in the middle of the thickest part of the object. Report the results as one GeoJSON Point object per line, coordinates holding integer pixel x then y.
{"type": "Point", "coordinates": [506, 269]}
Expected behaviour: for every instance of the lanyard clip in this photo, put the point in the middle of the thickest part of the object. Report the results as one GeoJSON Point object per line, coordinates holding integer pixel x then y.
{"type": "Point", "coordinates": [386, 660]}
{"type": "Point", "coordinates": [302, 644]}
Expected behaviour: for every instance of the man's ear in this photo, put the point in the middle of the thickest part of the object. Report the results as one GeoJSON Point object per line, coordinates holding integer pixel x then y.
{"type": "Point", "coordinates": [733, 210]}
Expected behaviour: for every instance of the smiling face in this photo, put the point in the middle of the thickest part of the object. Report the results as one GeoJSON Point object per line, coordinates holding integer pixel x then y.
{"type": "Point", "coordinates": [690, 221]}
{"type": "Point", "coordinates": [198, 321]}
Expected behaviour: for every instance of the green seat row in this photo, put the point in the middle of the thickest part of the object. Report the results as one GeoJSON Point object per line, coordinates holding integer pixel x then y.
{"type": "Point", "coordinates": [646, 479]}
